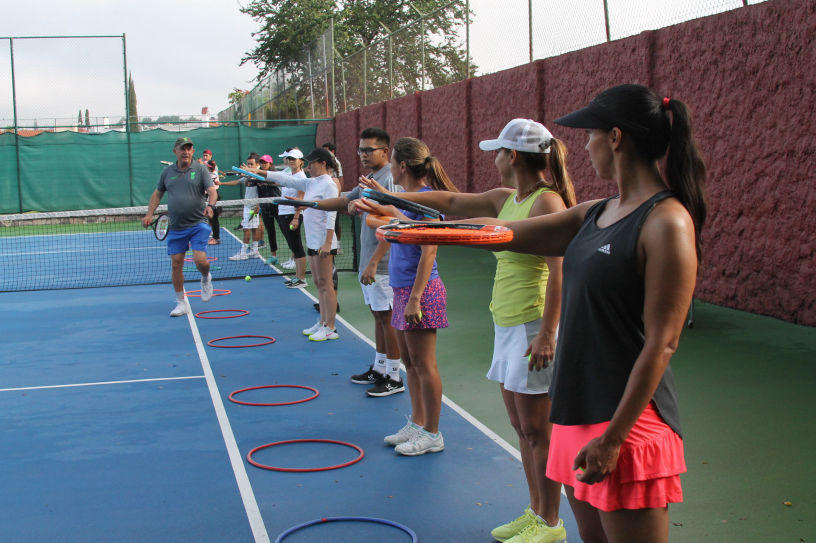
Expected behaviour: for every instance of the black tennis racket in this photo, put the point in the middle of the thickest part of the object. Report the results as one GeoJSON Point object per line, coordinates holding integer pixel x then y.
{"type": "Point", "coordinates": [389, 199]}
{"type": "Point", "coordinates": [294, 203]}
{"type": "Point", "coordinates": [161, 225]}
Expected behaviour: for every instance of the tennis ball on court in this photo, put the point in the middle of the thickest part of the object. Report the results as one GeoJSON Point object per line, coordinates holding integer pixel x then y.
{"type": "Point", "coordinates": [247, 278]}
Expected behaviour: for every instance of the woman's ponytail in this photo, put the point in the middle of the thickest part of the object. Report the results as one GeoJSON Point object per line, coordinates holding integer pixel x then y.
{"type": "Point", "coordinates": [685, 169]}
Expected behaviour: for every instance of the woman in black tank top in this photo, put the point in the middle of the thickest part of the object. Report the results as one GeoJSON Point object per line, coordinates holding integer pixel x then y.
{"type": "Point", "coordinates": [630, 266]}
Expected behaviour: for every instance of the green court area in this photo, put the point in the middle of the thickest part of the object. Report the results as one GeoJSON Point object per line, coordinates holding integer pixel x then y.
{"type": "Point", "coordinates": [745, 384]}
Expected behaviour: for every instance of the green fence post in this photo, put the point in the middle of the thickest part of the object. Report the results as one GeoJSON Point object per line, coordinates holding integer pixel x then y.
{"type": "Point", "coordinates": [16, 135]}
{"type": "Point", "coordinates": [127, 119]}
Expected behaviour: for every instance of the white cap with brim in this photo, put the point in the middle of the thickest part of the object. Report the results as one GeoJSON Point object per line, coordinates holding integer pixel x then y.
{"type": "Point", "coordinates": [525, 135]}
{"type": "Point", "coordinates": [292, 153]}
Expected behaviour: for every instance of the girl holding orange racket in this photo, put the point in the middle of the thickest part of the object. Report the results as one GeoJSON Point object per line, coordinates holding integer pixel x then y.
{"type": "Point", "coordinates": [525, 304]}
{"type": "Point", "coordinates": [419, 301]}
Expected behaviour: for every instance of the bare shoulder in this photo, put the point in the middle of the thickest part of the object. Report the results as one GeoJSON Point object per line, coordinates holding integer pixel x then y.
{"type": "Point", "coordinates": [547, 202]}
{"type": "Point", "coordinates": [670, 214]}
{"type": "Point", "coordinates": [669, 228]}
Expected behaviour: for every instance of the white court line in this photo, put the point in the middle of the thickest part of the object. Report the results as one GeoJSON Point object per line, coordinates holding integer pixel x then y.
{"type": "Point", "coordinates": [103, 383]}
{"type": "Point", "coordinates": [253, 512]}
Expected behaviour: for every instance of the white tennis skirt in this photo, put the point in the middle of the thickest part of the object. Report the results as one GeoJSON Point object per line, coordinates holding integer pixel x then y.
{"type": "Point", "coordinates": [509, 365]}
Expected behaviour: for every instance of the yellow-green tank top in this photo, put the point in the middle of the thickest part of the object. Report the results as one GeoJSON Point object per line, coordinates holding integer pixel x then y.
{"type": "Point", "coordinates": [521, 280]}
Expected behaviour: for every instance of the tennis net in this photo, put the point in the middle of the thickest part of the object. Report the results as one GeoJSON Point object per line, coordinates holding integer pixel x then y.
{"type": "Point", "coordinates": [109, 247]}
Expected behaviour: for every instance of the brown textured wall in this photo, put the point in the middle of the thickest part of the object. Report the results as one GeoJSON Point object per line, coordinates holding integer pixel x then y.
{"type": "Point", "coordinates": [325, 132]}
{"type": "Point", "coordinates": [748, 77]}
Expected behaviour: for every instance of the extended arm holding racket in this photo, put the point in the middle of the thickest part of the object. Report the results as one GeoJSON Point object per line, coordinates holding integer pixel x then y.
{"type": "Point", "coordinates": [486, 204]}
{"type": "Point", "coordinates": [402, 203]}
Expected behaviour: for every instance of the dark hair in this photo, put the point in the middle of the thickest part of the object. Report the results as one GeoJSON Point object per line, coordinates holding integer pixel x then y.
{"type": "Point", "coordinates": [256, 156]}
{"type": "Point", "coordinates": [645, 117]}
{"type": "Point", "coordinates": [556, 163]}
{"type": "Point", "coordinates": [330, 146]}
{"type": "Point", "coordinates": [421, 164]}
{"type": "Point", "coordinates": [378, 134]}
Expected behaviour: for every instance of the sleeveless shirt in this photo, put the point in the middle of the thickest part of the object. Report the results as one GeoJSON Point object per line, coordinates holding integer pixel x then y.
{"type": "Point", "coordinates": [520, 283]}
{"type": "Point", "coordinates": [602, 333]}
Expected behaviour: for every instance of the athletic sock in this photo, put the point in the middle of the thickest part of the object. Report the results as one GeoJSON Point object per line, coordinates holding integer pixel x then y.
{"type": "Point", "coordinates": [379, 364]}
{"type": "Point", "coordinates": [393, 368]}
{"type": "Point", "coordinates": [180, 296]}
{"type": "Point", "coordinates": [254, 246]}
{"type": "Point", "coordinates": [244, 247]}
{"type": "Point", "coordinates": [539, 517]}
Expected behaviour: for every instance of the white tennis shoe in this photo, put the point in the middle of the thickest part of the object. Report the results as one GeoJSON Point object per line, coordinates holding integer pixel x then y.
{"type": "Point", "coordinates": [206, 288]}
{"type": "Point", "coordinates": [323, 334]}
{"type": "Point", "coordinates": [313, 329]}
{"type": "Point", "coordinates": [240, 255]}
{"type": "Point", "coordinates": [179, 310]}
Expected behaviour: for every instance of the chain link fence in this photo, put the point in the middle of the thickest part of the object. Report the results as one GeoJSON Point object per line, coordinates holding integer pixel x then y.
{"type": "Point", "coordinates": [496, 36]}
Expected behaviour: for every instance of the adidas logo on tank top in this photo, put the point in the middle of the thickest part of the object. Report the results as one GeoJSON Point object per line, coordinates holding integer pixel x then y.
{"type": "Point", "coordinates": [605, 249]}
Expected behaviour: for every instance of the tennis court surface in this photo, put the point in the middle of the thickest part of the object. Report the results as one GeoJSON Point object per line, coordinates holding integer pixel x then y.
{"type": "Point", "coordinates": [118, 427]}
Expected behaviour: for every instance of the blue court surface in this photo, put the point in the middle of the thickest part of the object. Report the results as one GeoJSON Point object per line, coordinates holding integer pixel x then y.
{"type": "Point", "coordinates": [117, 427]}
{"type": "Point", "coordinates": [73, 259]}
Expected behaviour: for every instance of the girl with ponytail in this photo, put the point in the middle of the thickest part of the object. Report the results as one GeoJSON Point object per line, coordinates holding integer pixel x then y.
{"type": "Point", "coordinates": [630, 265]}
{"type": "Point", "coordinates": [525, 304]}
{"type": "Point", "coordinates": [419, 306]}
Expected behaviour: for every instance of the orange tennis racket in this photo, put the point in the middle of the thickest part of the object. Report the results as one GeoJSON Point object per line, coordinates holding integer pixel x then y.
{"type": "Point", "coordinates": [443, 233]}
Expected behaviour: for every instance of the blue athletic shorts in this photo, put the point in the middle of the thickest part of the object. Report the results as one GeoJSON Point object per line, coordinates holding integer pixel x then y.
{"type": "Point", "coordinates": [196, 237]}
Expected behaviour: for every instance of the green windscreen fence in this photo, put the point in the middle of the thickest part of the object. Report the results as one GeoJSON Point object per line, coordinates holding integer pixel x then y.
{"type": "Point", "coordinates": [67, 170]}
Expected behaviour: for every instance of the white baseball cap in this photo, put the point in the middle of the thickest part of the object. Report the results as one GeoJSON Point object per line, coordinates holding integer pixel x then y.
{"type": "Point", "coordinates": [292, 153]}
{"type": "Point", "coordinates": [524, 135]}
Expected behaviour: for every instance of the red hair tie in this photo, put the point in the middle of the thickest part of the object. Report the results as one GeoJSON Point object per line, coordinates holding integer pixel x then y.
{"type": "Point", "coordinates": [666, 103]}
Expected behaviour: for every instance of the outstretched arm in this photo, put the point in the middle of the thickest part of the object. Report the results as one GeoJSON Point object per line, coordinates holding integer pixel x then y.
{"type": "Point", "coordinates": [485, 204]}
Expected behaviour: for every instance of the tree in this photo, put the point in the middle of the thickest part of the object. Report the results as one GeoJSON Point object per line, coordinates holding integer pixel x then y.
{"type": "Point", "coordinates": [289, 26]}
{"type": "Point", "coordinates": [236, 95]}
{"type": "Point", "coordinates": [87, 119]}
{"type": "Point", "coordinates": [79, 118]}
{"type": "Point", "coordinates": [133, 115]}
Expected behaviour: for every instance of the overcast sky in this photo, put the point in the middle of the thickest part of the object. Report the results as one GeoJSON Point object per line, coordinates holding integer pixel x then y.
{"type": "Point", "coordinates": [185, 54]}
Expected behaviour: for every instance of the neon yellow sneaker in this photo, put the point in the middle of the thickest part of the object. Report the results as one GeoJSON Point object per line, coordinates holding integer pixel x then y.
{"type": "Point", "coordinates": [539, 532]}
{"type": "Point", "coordinates": [506, 531]}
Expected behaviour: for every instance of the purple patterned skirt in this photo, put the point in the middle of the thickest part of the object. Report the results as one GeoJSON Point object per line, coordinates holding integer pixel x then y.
{"type": "Point", "coordinates": [432, 304]}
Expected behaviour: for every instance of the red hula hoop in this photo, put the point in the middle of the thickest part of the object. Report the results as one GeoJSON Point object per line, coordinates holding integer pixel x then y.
{"type": "Point", "coordinates": [305, 470]}
{"type": "Point", "coordinates": [212, 344]}
{"type": "Point", "coordinates": [312, 397]}
{"type": "Point", "coordinates": [216, 291]}
{"type": "Point", "coordinates": [201, 314]}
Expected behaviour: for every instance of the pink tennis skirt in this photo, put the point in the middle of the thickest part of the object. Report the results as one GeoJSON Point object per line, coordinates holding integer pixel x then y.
{"type": "Point", "coordinates": [648, 471]}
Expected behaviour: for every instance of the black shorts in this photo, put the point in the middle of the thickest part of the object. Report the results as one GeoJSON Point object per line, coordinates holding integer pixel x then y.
{"type": "Point", "coordinates": [315, 252]}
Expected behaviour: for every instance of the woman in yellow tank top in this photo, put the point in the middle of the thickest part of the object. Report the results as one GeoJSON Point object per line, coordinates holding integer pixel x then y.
{"type": "Point", "coordinates": [526, 306]}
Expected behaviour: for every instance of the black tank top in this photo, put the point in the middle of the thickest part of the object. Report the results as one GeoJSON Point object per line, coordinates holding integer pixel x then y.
{"type": "Point", "coordinates": [601, 331]}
